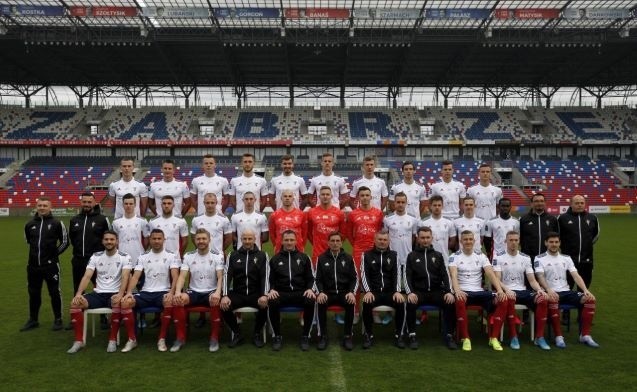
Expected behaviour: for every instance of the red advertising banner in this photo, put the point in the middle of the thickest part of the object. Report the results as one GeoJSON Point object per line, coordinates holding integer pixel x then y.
{"type": "Point", "coordinates": [317, 13]}
{"type": "Point", "coordinates": [526, 13]}
{"type": "Point", "coordinates": [80, 11]}
{"type": "Point", "coordinates": [103, 12]}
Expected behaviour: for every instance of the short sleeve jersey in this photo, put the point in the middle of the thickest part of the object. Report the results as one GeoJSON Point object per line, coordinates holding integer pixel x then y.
{"type": "Point", "coordinates": [203, 270]}
{"type": "Point", "coordinates": [292, 182]}
{"type": "Point", "coordinates": [177, 189]}
{"type": "Point", "coordinates": [173, 227]}
{"type": "Point", "coordinates": [475, 225]}
{"type": "Point", "coordinates": [109, 270]}
{"type": "Point", "coordinates": [442, 230]}
{"type": "Point", "coordinates": [120, 188]}
{"type": "Point", "coordinates": [402, 229]}
{"type": "Point", "coordinates": [415, 194]}
{"type": "Point", "coordinates": [451, 193]}
{"type": "Point", "coordinates": [255, 221]}
{"type": "Point", "coordinates": [336, 183]}
{"type": "Point", "coordinates": [498, 228]}
{"type": "Point", "coordinates": [217, 225]}
{"type": "Point", "coordinates": [242, 184]}
{"type": "Point", "coordinates": [156, 267]}
{"type": "Point", "coordinates": [202, 185]}
{"type": "Point", "coordinates": [375, 184]}
{"type": "Point", "coordinates": [469, 269]}
{"type": "Point", "coordinates": [130, 232]}
{"type": "Point", "coordinates": [486, 198]}
{"type": "Point", "coordinates": [513, 269]}
{"type": "Point", "coordinates": [555, 269]}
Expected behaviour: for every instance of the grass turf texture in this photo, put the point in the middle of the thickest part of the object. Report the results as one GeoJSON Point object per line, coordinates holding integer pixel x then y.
{"type": "Point", "coordinates": [37, 360]}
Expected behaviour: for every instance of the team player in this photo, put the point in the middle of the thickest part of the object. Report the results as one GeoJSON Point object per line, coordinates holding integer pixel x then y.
{"type": "Point", "coordinates": [204, 270]}
{"type": "Point", "coordinates": [169, 186]}
{"type": "Point", "coordinates": [427, 283]}
{"type": "Point", "coordinates": [468, 221]}
{"type": "Point", "coordinates": [215, 223]}
{"type": "Point", "coordinates": [245, 283]}
{"type": "Point", "coordinates": [248, 218]}
{"type": "Point", "coordinates": [287, 180]}
{"type": "Point", "coordinates": [466, 268]}
{"type": "Point", "coordinates": [416, 193]}
{"type": "Point", "coordinates": [209, 182]}
{"type": "Point", "coordinates": [130, 229]}
{"type": "Point", "coordinates": [380, 282]}
{"type": "Point", "coordinates": [323, 220]}
{"type": "Point", "coordinates": [248, 182]}
{"type": "Point", "coordinates": [497, 228]}
{"type": "Point", "coordinates": [375, 184]}
{"type": "Point", "coordinates": [328, 178]}
{"type": "Point", "coordinates": [451, 191]}
{"type": "Point", "coordinates": [485, 194]}
{"type": "Point", "coordinates": [443, 229]}
{"type": "Point", "coordinates": [534, 226]}
{"type": "Point", "coordinates": [127, 184]}
{"type": "Point", "coordinates": [47, 239]}
{"type": "Point", "coordinates": [551, 269]}
{"type": "Point", "coordinates": [161, 270]}
{"type": "Point", "coordinates": [336, 284]}
{"type": "Point", "coordinates": [511, 267]}
{"type": "Point", "coordinates": [402, 228]}
{"type": "Point", "coordinates": [291, 283]}
{"type": "Point", "coordinates": [362, 224]}
{"type": "Point", "coordinates": [174, 228]}
{"type": "Point", "coordinates": [287, 218]}
{"type": "Point", "coordinates": [112, 268]}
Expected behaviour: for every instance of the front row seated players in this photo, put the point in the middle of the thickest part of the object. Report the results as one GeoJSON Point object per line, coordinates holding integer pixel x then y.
{"type": "Point", "coordinates": [336, 284]}
{"type": "Point", "coordinates": [551, 269]}
{"type": "Point", "coordinates": [466, 267]}
{"type": "Point", "coordinates": [290, 284]}
{"type": "Point", "coordinates": [113, 270]}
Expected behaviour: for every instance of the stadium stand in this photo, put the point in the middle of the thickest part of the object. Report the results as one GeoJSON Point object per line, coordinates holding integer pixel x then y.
{"type": "Point", "coordinates": [36, 124]}
{"type": "Point", "coordinates": [481, 123]}
{"type": "Point", "coordinates": [166, 123]}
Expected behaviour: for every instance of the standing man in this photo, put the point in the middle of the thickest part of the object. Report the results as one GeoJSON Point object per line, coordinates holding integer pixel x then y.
{"type": "Point", "coordinates": [579, 231]}
{"type": "Point", "coordinates": [287, 180]}
{"type": "Point", "coordinates": [169, 186]}
{"type": "Point", "coordinates": [451, 191]}
{"type": "Point", "coordinates": [442, 229]}
{"type": "Point", "coordinates": [250, 219]}
{"type": "Point", "coordinates": [468, 221]}
{"type": "Point", "coordinates": [497, 228]}
{"type": "Point", "coordinates": [112, 268]}
{"type": "Point", "coordinates": [323, 220]}
{"type": "Point", "coordinates": [416, 193]}
{"type": "Point", "coordinates": [328, 178]}
{"type": "Point", "coordinates": [174, 229]}
{"type": "Point", "coordinates": [534, 226]}
{"type": "Point", "coordinates": [215, 223]}
{"type": "Point", "coordinates": [130, 229]}
{"type": "Point", "coordinates": [362, 224]}
{"type": "Point", "coordinates": [86, 230]}
{"type": "Point", "coordinates": [47, 239]}
{"type": "Point", "coordinates": [287, 218]}
{"type": "Point", "coordinates": [209, 182]}
{"type": "Point", "coordinates": [376, 185]}
{"type": "Point", "coordinates": [248, 182]}
{"type": "Point", "coordinates": [485, 194]}
{"type": "Point", "coordinates": [402, 229]}
{"type": "Point", "coordinates": [127, 184]}
{"type": "Point", "coordinates": [336, 284]}
{"type": "Point", "coordinates": [291, 284]}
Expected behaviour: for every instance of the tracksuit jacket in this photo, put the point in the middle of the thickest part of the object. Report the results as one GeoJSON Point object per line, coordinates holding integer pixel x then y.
{"type": "Point", "coordinates": [291, 271]}
{"type": "Point", "coordinates": [247, 271]}
{"type": "Point", "coordinates": [380, 272]}
{"type": "Point", "coordinates": [336, 274]}
{"type": "Point", "coordinates": [47, 239]}
{"type": "Point", "coordinates": [425, 271]}
{"type": "Point", "coordinates": [86, 231]}
{"type": "Point", "coordinates": [578, 233]}
{"type": "Point", "coordinates": [533, 230]}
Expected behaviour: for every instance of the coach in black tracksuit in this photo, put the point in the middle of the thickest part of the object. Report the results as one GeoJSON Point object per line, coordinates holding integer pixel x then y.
{"type": "Point", "coordinates": [47, 239]}
{"type": "Point", "coordinates": [381, 281]}
{"type": "Point", "coordinates": [85, 231]}
{"type": "Point", "coordinates": [245, 283]}
{"type": "Point", "coordinates": [427, 283]}
{"type": "Point", "coordinates": [336, 284]}
{"type": "Point", "coordinates": [534, 226]}
{"type": "Point", "coordinates": [291, 284]}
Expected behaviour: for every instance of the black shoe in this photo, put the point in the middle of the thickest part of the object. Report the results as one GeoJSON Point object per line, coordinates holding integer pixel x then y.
{"type": "Point", "coordinates": [347, 343]}
{"type": "Point", "coordinates": [277, 342]}
{"type": "Point", "coordinates": [451, 342]}
{"type": "Point", "coordinates": [304, 343]}
{"type": "Point", "coordinates": [257, 340]}
{"type": "Point", "coordinates": [104, 325]}
{"type": "Point", "coordinates": [237, 339]}
{"type": "Point", "coordinates": [399, 342]}
{"type": "Point", "coordinates": [29, 325]}
{"type": "Point", "coordinates": [322, 344]}
{"type": "Point", "coordinates": [68, 326]}
{"type": "Point", "coordinates": [200, 323]}
{"type": "Point", "coordinates": [413, 342]}
{"type": "Point", "coordinates": [57, 325]}
{"type": "Point", "coordinates": [367, 341]}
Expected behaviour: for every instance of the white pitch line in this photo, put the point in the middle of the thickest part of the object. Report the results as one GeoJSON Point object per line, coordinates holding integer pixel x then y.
{"type": "Point", "coordinates": [337, 378]}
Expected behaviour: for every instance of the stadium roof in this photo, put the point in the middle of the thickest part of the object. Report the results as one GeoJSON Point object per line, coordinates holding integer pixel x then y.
{"type": "Point", "coordinates": [318, 43]}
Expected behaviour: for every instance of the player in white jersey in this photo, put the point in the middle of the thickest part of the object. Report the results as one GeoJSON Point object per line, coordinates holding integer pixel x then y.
{"type": "Point", "coordinates": [128, 184]}
{"type": "Point", "coordinates": [551, 269]}
{"type": "Point", "coordinates": [169, 186]}
{"type": "Point", "coordinates": [443, 229]}
{"type": "Point", "coordinates": [215, 223]}
{"type": "Point", "coordinates": [485, 194]}
{"type": "Point", "coordinates": [369, 180]}
{"type": "Point", "coordinates": [209, 182]}
{"type": "Point", "coordinates": [496, 229]}
{"type": "Point", "coordinates": [466, 267]}
{"type": "Point", "coordinates": [248, 182]}
{"type": "Point", "coordinates": [512, 267]}
{"type": "Point", "coordinates": [204, 270]}
{"type": "Point", "coordinates": [130, 229]}
{"type": "Point", "coordinates": [249, 219]}
{"type": "Point", "coordinates": [113, 270]}
{"type": "Point", "coordinates": [175, 229]}
{"type": "Point", "coordinates": [416, 193]}
{"type": "Point", "coordinates": [161, 270]}
{"type": "Point", "coordinates": [288, 180]}
{"type": "Point", "coordinates": [468, 221]}
{"type": "Point", "coordinates": [452, 191]}
{"type": "Point", "coordinates": [327, 178]}
{"type": "Point", "coordinates": [402, 229]}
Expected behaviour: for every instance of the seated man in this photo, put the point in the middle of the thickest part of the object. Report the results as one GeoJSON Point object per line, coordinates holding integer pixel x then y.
{"type": "Point", "coordinates": [161, 270]}
{"type": "Point", "coordinates": [381, 277]}
{"type": "Point", "coordinates": [244, 284]}
{"type": "Point", "coordinates": [291, 282]}
{"type": "Point", "coordinates": [466, 267]}
{"type": "Point", "coordinates": [336, 284]}
{"type": "Point", "coordinates": [427, 283]}
{"type": "Point", "coordinates": [204, 270]}
{"type": "Point", "coordinates": [511, 267]}
{"type": "Point", "coordinates": [113, 270]}
{"type": "Point", "coordinates": [551, 269]}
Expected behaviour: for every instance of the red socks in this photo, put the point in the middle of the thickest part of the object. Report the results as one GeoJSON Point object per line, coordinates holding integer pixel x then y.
{"type": "Point", "coordinates": [128, 317]}
{"type": "Point", "coordinates": [587, 317]}
{"type": "Point", "coordinates": [215, 322]}
{"type": "Point", "coordinates": [77, 320]}
{"type": "Point", "coordinates": [166, 317]}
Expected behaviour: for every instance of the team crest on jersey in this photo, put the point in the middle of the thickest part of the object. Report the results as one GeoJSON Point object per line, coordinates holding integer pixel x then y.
{"type": "Point", "coordinates": [433, 259]}
{"type": "Point", "coordinates": [495, 262]}
{"type": "Point", "coordinates": [49, 226]}
{"type": "Point", "coordinates": [343, 263]}
{"type": "Point", "coordinates": [588, 222]}
{"type": "Point", "coordinates": [92, 224]}
{"type": "Point", "coordinates": [388, 260]}
{"type": "Point", "coordinates": [570, 222]}
{"type": "Point", "coordinates": [548, 223]}
{"type": "Point", "coordinates": [280, 263]}
{"type": "Point", "coordinates": [76, 224]}
{"type": "Point", "coordinates": [298, 261]}
{"type": "Point", "coordinates": [417, 260]}
{"type": "Point", "coordinates": [255, 260]}
{"type": "Point", "coordinates": [327, 264]}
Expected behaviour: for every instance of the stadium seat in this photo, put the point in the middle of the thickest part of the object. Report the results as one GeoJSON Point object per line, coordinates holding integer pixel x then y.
{"type": "Point", "coordinates": [531, 321]}
{"type": "Point", "coordinates": [93, 313]}
{"type": "Point", "coordinates": [140, 314]}
{"type": "Point", "coordinates": [248, 309]}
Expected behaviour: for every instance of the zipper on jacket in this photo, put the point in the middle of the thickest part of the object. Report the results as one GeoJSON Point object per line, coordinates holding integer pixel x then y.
{"type": "Point", "coordinates": [579, 229]}
{"type": "Point", "coordinates": [539, 234]}
{"type": "Point", "coordinates": [335, 278]}
{"type": "Point", "coordinates": [40, 242]}
{"type": "Point", "coordinates": [427, 271]}
{"type": "Point", "coordinates": [84, 235]}
{"type": "Point", "coordinates": [290, 270]}
{"type": "Point", "coordinates": [382, 276]}
{"type": "Point", "coordinates": [247, 257]}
